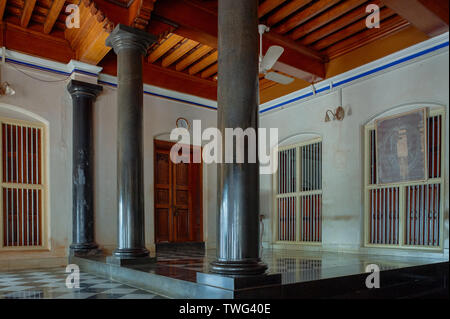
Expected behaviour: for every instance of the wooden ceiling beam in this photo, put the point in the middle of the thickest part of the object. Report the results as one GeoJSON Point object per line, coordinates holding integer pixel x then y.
{"type": "Point", "coordinates": [268, 6]}
{"type": "Point", "coordinates": [88, 41]}
{"type": "Point", "coordinates": [204, 63]}
{"type": "Point", "coordinates": [390, 26]}
{"type": "Point", "coordinates": [438, 7]}
{"type": "Point", "coordinates": [305, 14]}
{"type": "Point", "coordinates": [351, 30]}
{"type": "Point", "coordinates": [75, 36]}
{"type": "Point", "coordinates": [164, 47]}
{"type": "Point", "coordinates": [286, 10]}
{"type": "Point", "coordinates": [191, 21]}
{"type": "Point", "coordinates": [420, 16]}
{"type": "Point", "coordinates": [167, 78]}
{"type": "Point", "coordinates": [210, 71]}
{"type": "Point", "coordinates": [159, 28]}
{"type": "Point", "coordinates": [184, 48]}
{"type": "Point", "coordinates": [140, 12]}
{"type": "Point", "coordinates": [297, 56]}
{"type": "Point", "coordinates": [199, 53]}
{"type": "Point", "coordinates": [337, 24]}
{"type": "Point", "coordinates": [325, 18]}
{"type": "Point", "coordinates": [27, 12]}
{"type": "Point", "coordinates": [92, 48]}
{"type": "Point", "coordinates": [36, 43]}
{"type": "Point", "coordinates": [52, 15]}
{"type": "Point", "coordinates": [2, 8]}
{"type": "Point", "coordinates": [198, 24]}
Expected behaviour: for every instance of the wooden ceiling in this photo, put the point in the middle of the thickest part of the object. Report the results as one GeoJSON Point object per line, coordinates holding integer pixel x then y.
{"type": "Point", "coordinates": [313, 33]}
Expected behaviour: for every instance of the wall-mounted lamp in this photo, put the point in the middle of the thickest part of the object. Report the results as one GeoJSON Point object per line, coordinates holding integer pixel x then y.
{"type": "Point", "coordinates": [338, 114]}
{"type": "Point", "coordinates": [6, 89]}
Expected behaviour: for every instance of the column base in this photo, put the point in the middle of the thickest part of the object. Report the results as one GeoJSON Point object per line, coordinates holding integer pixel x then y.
{"type": "Point", "coordinates": [238, 268]}
{"type": "Point", "coordinates": [113, 260]}
{"type": "Point", "coordinates": [238, 282]}
{"type": "Point", "coordinates": [87, 249]}
{"type": "Point", "coordinates": [123, 257]}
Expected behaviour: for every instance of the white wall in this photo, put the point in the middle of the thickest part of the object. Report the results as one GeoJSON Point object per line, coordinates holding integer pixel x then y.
{"type": "Point", "coordinates": [49, 102]}
{"type": "Point", "coordinates": [423, 81]}
{"type": "Point", "coordinates": [159, 117]}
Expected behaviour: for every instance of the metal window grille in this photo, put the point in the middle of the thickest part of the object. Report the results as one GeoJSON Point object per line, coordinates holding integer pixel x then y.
{"type": "Point", "coordinates": [299, 195]}
{"type": "Point", "coordinates": [406, 214]}
{"type": "Point", "coordinates": [22, 185]}
{"type": "Point", "coordinates": [422, 215]}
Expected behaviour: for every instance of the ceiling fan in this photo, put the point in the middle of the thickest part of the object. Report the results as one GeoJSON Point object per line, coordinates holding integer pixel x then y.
{"type": "Point", "coordinates": [267, 61]}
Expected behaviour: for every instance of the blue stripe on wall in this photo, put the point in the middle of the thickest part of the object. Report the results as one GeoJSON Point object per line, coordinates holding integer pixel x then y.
{"type": "Point", "coordinates": [295, 99]}
{"type": "Point", "coordinates": [364, 74]}
{"type": "Point", "coordinates": [34, 66]}
{"type": "Point", "coordinates": [165, 96]}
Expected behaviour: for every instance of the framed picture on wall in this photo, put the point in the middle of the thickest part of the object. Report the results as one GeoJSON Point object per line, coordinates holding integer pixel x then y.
{"type": "Point", "coordinates": [400, 147]}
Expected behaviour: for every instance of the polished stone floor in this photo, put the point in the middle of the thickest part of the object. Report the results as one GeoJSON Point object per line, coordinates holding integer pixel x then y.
{"type": "Point", "coordinates": [50, 283]}
{"type": "Point", "coordinates": [295, 266]}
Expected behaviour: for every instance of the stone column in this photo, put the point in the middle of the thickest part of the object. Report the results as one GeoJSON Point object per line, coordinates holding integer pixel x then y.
{"type": "Point", "coordinates": [238, 101]}
{"type": "Point", "coordinates": [130, 45]}
{"type": "Point", "coordinates": [83, 97]}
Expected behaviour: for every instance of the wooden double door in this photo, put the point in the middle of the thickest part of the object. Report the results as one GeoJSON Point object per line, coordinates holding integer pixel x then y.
{"type": "Point", "coordinates": [178, 197]}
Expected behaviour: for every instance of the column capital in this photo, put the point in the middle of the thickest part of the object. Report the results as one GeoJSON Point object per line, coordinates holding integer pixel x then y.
{"type": "Point", "coordinates": [80, 88]}
{"type": "Point", "coordinates": [125, 37]}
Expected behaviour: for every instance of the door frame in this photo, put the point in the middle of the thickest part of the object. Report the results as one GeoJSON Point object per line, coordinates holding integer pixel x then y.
{"type": "Point", "coordinates": [167, 145]}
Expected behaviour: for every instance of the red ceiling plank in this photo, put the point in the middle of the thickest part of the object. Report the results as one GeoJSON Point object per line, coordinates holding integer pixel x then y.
{"type": "Point", "coordinates": [115, 13]}
{"type": "Point", "coordinates": [268, 6]}
{"type": "Point", "coordinates": [420, 16]}
{"type": "Point", "coordinates": [305, 14]}
{"type": "Point", "coordinates": [159, 28]}
{"type": "Point", "coordinates": [167, 78]}
{"type": "Point", "coordinates": [325, 18]}
{"type": "Point", "coordinates": [299, 57]}
{"type": "Point", "coordinates": [286, 10]}
{"type": "Point", "coordinates": [192, 21]}
{"type": "Point", "coordinates": [53, 14]}
{"type": "Point", "coordinates": [390, 26]}
{"type": "Point", "coordinates": [198, 24]}
{"type": "Point", "coordinates": [350, 30]}
{"type": "Point", "coordinates": [337, 24]}
{"type": "Point", "coordinates": [36, 43]}
{"type": "Point", "coordinates": [2, 8]}
{"type": "Point", "coordinates": [438, 7]}
{"type": "Point", "coordinates": [27, 12]}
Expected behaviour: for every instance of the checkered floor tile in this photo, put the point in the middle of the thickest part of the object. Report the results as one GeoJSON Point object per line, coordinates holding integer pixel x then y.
{"type": "Point", "coordinates": [51, 284]}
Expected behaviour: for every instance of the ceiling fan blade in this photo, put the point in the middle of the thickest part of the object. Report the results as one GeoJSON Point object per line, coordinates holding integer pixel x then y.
{"type": "Point", "coordinates": [271, 57]}
{"type": "Point", "coordinates": [279, 78]}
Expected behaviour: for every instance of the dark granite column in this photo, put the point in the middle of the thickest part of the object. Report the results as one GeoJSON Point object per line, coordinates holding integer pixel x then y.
{"type": "Point", "coordinates": [130, 45]}
{"type": "Point", "coordinates": [238, 101]}
{"type": "Point", "coordinates": [83, 97]}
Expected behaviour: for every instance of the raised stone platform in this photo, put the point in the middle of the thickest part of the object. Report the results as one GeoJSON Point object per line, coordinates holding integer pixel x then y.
{"type": "Point", "coordinates": [291, 274]}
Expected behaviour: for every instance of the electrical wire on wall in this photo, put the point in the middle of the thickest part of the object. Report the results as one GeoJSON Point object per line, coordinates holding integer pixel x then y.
{"type": "Point", "coordinates": [35, 78]}
{"type": "Point", "coordinates": [4, 61]}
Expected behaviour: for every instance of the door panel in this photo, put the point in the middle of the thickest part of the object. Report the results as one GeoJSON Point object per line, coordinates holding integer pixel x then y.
{"type": "Point", "coordinates": [182, 202]}
{"type": "Point", "coordinates": [163, 197]}
{"type": "Point", "coordinates": [182, 233]}
{"type": "Point", "coordinates": [178, 204]}
{"type": "Point", "coordinates": [162, 224]}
